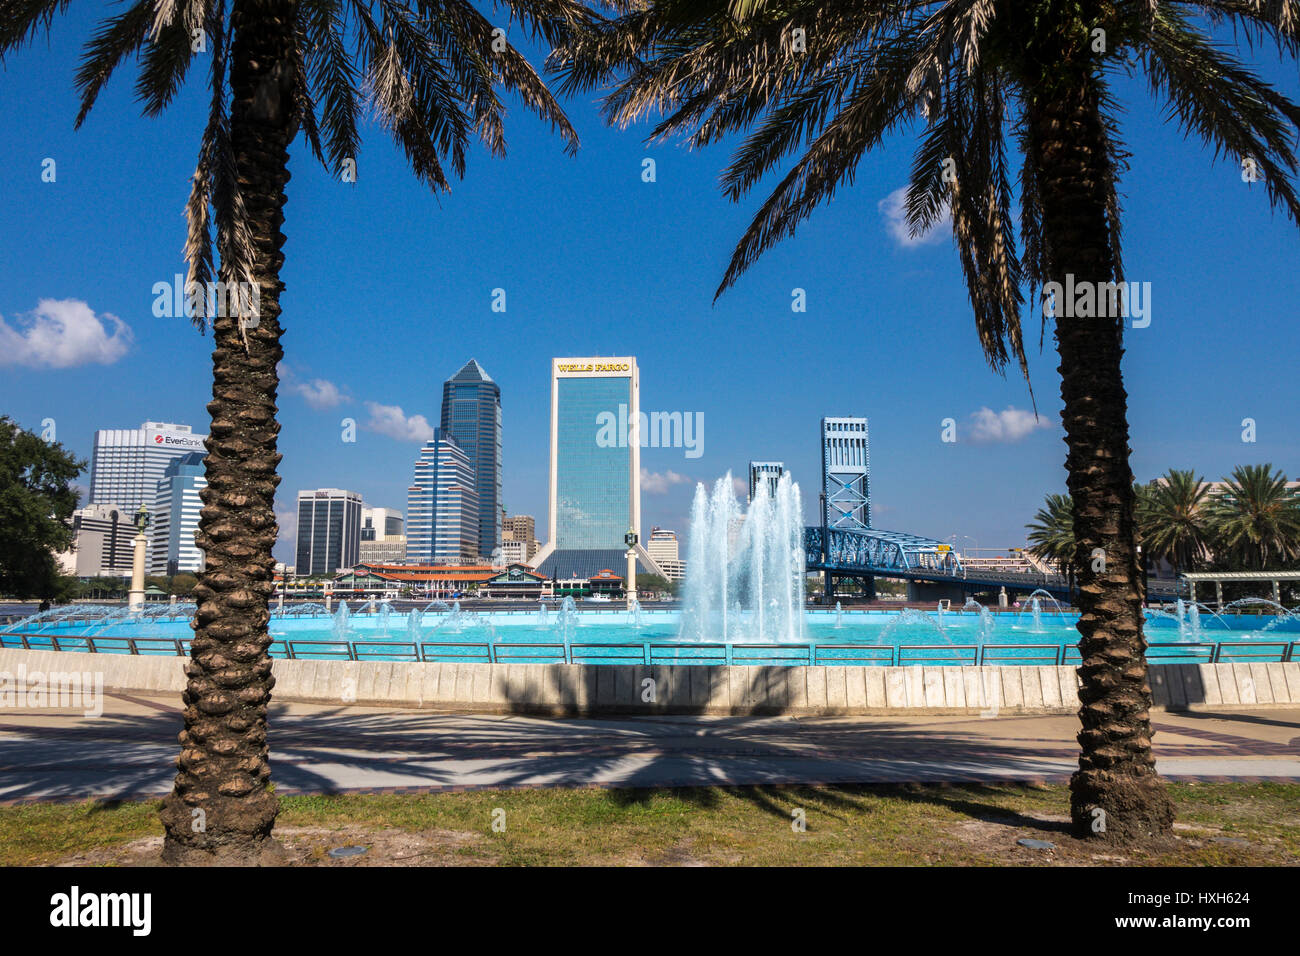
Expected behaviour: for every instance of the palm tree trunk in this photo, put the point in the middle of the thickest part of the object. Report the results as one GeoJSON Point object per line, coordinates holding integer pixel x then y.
{"type": "Point", "coordinates": [1116, 772]}
{"type": "Point", "coordinates": [223, 808]}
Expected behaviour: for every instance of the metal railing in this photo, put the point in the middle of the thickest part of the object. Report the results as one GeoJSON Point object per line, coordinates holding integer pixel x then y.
{"type": "Point", "coordinates": [664, 654]}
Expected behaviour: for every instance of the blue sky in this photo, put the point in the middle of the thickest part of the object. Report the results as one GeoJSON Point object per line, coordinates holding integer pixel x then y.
{"type": "Point", "coordinates": [389, 293]}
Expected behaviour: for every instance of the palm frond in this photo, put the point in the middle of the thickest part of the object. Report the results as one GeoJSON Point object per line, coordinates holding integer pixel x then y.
{"type": "Point", "coordinates": [167, 54]}
{"type": "Point", "coordinates": [116, 39]}
{"type": "Point", "coordinates": [1215, 97]}
{"type": "Point", "coordinates": [22, 20]}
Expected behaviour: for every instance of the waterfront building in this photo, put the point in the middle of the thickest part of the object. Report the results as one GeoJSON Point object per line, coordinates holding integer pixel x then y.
{"type": "Point", "coordinates": [471, 416]}
{"type": "Point", "coordinates": [329, 531]}
{"type": "Point", "coordinates": [389, 550]}
{"type": "Point", "coordinates": [175, 517]}
{"type": "Point", "coordinates": [103, 542]}
{"type": "Point", "coordinates": [665, 550]}
{"type": "Point", "coordinates": [377, 524]}
{"type": "Point", "coordinates": [443, 516]}
{"type": "Point", "coordinates": [521, 528]}
{"type": "Point", "coordinates": [126, 464]}
{"type": "Point", "coordinates": [595, 474]}
{"type": "Point", "coordinates": [440, 581]}
{"type": "Point", "coordinates": [514, 552]}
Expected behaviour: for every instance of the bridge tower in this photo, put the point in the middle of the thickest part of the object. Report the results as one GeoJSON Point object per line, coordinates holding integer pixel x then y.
{"type": "Point", "coordinates": [846, 485]}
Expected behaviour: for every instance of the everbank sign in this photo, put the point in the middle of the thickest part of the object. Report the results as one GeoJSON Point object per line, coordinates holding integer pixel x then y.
{"type": "Point", "coordinates": [185, 440]}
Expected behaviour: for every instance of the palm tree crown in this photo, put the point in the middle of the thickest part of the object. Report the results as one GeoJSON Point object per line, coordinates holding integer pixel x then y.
{"type": "Point", "coordinates": [828, 80]}
{"type": "Point", "coordinates": [1256, 518]}
{"type": "Point", "coordinates": [1174, 519]}
{"type": "Point", "coordinates": [1051, 533]}
{"type": "Point", "coordinates": [429, 72]}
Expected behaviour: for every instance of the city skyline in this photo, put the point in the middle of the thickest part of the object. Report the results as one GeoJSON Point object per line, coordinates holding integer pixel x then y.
{"type": "Point", "coordinates": [893, 341]}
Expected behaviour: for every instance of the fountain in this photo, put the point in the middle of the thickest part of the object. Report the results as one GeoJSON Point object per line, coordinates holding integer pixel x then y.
{"type": "Point", "coordinates": [541, 614]}
{"type": "Point", "coordinates": [745, 572]}
{"type": "Point", "coordinates": [1285, 617]}
{"type": "Point", "coordinates": [634, 615]}
{"type": "Point", "coordinates": [413, 622]}
{"type": "Point", "coordinates": [567, 618]}
{"type": "Point", "coordinates": [1034, 606]}
{"type": "Point", "coordinates": [341, 627]}
{"type": "Point", "coordinates": [839, 616]}
{"type": "Point", "coordinates": [385, 611]}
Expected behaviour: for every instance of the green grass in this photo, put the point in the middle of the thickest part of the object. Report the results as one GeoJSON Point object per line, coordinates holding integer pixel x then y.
{"type": "Point", "coordinates": [848, 825]}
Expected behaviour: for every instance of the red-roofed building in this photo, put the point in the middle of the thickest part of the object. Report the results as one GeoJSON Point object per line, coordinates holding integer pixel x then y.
{"type": "Point", "coordinates": [441, 581]}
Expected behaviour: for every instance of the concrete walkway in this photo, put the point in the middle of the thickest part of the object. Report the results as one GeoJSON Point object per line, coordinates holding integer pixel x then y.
{"type": "Point", "coordinates": [130, 750]}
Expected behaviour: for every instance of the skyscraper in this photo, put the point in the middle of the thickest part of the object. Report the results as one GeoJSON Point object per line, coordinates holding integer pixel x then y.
{"type": "Point", "coordinates": [127, 463]}
{"type": "Point", "coordinates": [846, 474]}
{"type": "Point", "coordinates": [443, 513]}
{"type": "Point", "coordinates": [521, 528]}
{"type": "Point", "coordinates": [380, 523]}
{"type": "Point", "coordinates": [329, 531]}
{"type": "Point", "coordinates": [595, 487]}
{"type": "Point", "coordinates": [471, 415]}
{"type": "Point", "coordinates": [175, 509]}
{"type": "Point", "coordinates": [767, 472]}
{"type": "Point", "coordinates": [103, 542]}
{"type": "Point", "coordinates": [663, 547]}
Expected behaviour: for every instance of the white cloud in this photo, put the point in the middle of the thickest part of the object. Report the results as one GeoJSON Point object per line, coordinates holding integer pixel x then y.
{"type": "Point", "coordinates": [391, 421]}
{"type": "Point", "coordinates": [63, 333]}
{"type": "Point", "coordinates": [1007, 426]}
{"type": "Point", "coordinates": [740, 486]}
{"type": "Point", "coordinates": [654, 483]}
{"type": "Point", "coordinates": [894, 208]}
{"type": "Point", "coordinates": [319, 393]}
{"type": "Point", "coordinates": [288, 523]}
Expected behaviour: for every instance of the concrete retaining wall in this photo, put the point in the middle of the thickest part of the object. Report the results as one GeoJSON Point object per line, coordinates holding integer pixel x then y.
{"type": "Point", "coordinates": [569, 689]}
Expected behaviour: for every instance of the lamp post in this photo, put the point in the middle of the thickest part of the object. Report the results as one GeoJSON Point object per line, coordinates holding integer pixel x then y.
{"type": "Point", "coordinates": [630, 539]}
{"type": "Point", "coordinates": [135, 600]}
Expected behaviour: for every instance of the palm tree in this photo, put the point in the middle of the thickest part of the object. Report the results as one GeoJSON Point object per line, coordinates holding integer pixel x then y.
{"type": "Point", "coordinates": [1255, 519]}
{"type": "Point", "coordinates": [1051, 533]}
{"type": "Point", "coordinates": [431, 73]}
{"type": "Point", "coordinates": [1174, 519]}
{"type": "Point", "coordinates": [827, 80]}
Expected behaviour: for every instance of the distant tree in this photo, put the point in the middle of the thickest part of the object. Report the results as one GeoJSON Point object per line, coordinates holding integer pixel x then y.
{"type": "Point", "coordinates": [655, 582]}
{"type": "Point", "coordinates": [1173, 516]}
{"type": "Point", "coordinates": [36, 504]}
{"type": "Point", "coordinates": [1051, 533]}
{"type": "Point", "coordinates": [1255, 520]}
{"type": "Point", "coordinates": [183, 584]}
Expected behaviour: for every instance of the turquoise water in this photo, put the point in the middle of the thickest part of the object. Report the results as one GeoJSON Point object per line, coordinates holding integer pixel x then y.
{"type": "Point", "coordinates": [615, 636]}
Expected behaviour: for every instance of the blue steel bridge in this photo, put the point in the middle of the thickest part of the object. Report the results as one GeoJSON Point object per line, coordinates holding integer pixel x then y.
{"type": "Point", "coordinates": [867, 553]}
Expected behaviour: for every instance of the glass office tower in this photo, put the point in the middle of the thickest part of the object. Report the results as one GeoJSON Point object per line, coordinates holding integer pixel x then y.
{"type": "Point", "coordinates": [471, 416]}
{"type": "Point", "coordinates": [442, 508]}
{"type": "Point", "coordinates": [329, 531]}
{"type": "Point", "coordinates": [595, 488]}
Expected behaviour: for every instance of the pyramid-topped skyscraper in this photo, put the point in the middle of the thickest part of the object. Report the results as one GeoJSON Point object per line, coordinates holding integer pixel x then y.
{"type": "Point", "coordinates": [471, 415]}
